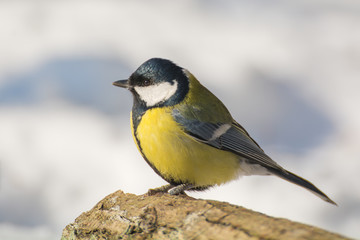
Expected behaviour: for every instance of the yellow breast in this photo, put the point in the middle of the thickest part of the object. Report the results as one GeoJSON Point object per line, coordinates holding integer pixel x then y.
{"type": "Point", "coordinates": [178, 156]}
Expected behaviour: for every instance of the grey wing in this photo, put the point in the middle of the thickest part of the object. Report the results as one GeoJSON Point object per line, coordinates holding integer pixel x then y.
{"type": "Point", "coordinates": [232, 137]}
{"type": "Point", "coordinates": [229, 137]}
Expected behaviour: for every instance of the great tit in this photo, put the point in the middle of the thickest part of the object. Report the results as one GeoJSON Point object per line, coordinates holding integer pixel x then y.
{"type": "Point", "coordinates": [188, 136]}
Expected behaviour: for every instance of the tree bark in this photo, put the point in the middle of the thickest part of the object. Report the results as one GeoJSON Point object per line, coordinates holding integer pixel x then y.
{"type": "Point", "coordinates": [162, 216]}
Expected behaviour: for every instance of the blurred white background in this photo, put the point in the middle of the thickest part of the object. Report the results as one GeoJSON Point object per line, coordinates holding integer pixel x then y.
{"type": "Point", "coordinates": [289, 71]}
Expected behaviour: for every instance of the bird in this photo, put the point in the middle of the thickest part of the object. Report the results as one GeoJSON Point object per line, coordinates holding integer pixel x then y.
{"type": "Point", "coordinates": [188, 136]}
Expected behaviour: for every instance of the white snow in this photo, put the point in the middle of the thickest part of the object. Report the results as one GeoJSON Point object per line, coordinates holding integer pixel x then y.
{"type": "Point", "coordinates": [58, 159]}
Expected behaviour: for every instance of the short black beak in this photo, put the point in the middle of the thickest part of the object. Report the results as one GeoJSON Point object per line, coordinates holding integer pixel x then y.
{"type": "Point", "coordinates": [122, 83]}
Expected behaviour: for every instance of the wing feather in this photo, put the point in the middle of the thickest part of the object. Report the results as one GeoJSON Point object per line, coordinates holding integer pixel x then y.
{"type": "Point", "coordinates": [235, 139]}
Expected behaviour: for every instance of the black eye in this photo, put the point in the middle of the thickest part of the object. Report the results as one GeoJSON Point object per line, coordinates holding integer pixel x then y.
{"type": "Point", "coordinates": [146, 82]}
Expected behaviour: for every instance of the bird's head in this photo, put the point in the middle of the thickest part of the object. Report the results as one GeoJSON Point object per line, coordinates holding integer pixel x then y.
{"type": "Point", "coordinates": [157, 82]}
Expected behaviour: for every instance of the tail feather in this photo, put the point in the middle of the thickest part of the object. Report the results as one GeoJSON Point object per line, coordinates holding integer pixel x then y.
{"type": "Point", "coordinates": [284, 174]}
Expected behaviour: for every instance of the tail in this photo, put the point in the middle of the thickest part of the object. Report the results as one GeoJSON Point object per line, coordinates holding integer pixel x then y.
{"type": "Point", "coordinates": [284, 174]}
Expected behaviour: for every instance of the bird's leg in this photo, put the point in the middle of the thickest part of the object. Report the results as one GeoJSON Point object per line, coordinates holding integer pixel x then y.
{"type": "Point", "coordinates": [162, 189]}
{"type": "Point", "coordinates": [171, 189]}
{"type": "Point", "coordinates": [179, 189]}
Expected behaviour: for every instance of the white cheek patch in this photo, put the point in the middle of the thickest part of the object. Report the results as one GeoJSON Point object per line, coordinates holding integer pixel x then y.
{"type": "Point", "coordinates": [158, 93]}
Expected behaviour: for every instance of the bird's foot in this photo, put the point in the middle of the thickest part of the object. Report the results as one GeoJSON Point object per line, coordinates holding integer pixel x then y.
{"type": "Point", "coordinates": [162, 189]}
{"type": "Point", "coordinates": [171, 189]}
{"type": "Point", "coordinates": [179, 189]}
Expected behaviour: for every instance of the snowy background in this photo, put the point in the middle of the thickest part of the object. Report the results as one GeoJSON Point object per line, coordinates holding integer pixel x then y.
{"type": "Point", "coordinates": [289, 71]}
